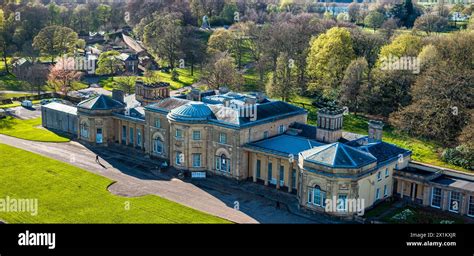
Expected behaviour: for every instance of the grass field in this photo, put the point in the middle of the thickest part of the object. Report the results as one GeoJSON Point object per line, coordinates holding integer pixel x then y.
{"type": "Point", "coordinates": [184, 79]}
{"type": "Point", "coordinates": [423, 150]}
{"type": "Point", "coordinates": [13, 95]}
{"type": "Point", "coordinates": [28, 130]}
{"type": "Point", "coordinates": [67, 194]}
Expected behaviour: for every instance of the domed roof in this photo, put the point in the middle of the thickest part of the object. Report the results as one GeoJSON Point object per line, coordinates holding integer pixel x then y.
{"type": "Point", "coordinates": [192, 111]}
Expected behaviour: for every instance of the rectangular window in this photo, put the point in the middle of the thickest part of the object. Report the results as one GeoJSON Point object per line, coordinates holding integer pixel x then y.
{"type": "Point", "coordinates": [379, 176]}
{"type": "Point", "coordinates": [265, 134]}
{"type": "Point", "coordinates": [222, 138]}
{"type": "Point", "coordinates": [310, 195]}
{"type": "Point", "coordinates": [196, 135]}
{"type": "Point", "coordinates": [179, 158]}
{"type": "Point", "coordinates": [130, 138]}
{"type": "Point", "coordinates": [282, 175]}
{"type": "Point", "coordinates": [454, 201]}
{"type": "Point", "coordinates": [436, 197]}
{"type": "Point", "coordinates": [258, 169]}
{"type": "Point", "coordinates": [179, 133]}
{"type": "Point", "coordinates": [470, 209]}
{"type": "Point", "coordinates": [342, 203]}
{"type": "Point", "coordinates": [269, 173]}
{"type": "Point", "coordinates": [158, 123]}
{"type": "Point", "coordinates": [386, 173]}
{"type": "Point", "coordinates": [124, 134]}
{"type": "Point", "coordinates": [139, 137]}
{"type": "Point", "coordinates": [385, 191]}
{"type": "Point", "coordinates": [317, 196]}
{"type": "Point", "coordinates": [196, 160]}
{"type": "Point", "coordinates": [281, 129]}
{"type": "Point", "coordinates": [293, 178]}
{"type": "Point", "coordinates": [377, 194]}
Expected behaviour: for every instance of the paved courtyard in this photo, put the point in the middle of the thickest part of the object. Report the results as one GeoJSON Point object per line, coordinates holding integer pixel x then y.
{"type": "Point", "coordinates": [133, 177]}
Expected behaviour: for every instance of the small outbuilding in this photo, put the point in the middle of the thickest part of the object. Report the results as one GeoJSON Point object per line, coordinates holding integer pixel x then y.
{"type": "Point", "coordinates": [60, 117]}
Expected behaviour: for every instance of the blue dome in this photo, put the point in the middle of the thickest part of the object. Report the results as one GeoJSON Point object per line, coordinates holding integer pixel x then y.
{"type": "Point", "coordinates": [193, 111]}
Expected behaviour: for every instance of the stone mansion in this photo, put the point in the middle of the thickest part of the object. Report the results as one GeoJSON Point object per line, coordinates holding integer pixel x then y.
{"type": "Point", "coordinates": [250, 137]}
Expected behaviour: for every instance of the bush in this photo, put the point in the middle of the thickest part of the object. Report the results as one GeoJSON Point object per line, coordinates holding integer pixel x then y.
{"type": "Point", "coordinates": [174, 75]}
{"type": "Point", "coordinates": [460, 156]}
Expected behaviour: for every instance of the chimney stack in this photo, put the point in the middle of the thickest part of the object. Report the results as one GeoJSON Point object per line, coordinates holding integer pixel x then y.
{"type": "Point", "coordinates": [118, 95]}
{"type": "Point", "coordinates": [375, 130]}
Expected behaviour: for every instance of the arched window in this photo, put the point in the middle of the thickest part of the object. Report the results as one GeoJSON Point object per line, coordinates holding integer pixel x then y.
{"type": "Point", "coordinates": [157, 145]}
{"type": "Point", "coordinates": [84, 130]}
{"type": "Point", "coordinates": [316, 196]}
{"type": "Point", "coordinates": [223, 163]}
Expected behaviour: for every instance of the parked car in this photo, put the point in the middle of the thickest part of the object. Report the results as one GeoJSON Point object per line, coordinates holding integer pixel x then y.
{"type": "Point", "coordinates": [45, 101]}
{"type": "Point", "coordinates": [27, 104]}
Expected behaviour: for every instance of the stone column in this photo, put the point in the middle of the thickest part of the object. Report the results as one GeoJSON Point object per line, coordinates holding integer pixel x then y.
{"type": "Point", "coordinates": [265, 174]}
{"type": "Point", "coordinates": [253, 163]}
{"type": "Point", "coordinates": [278, 173]}
{"type": "Point", "coordinates": [403, 187]}
{"type": "Point", "coordinates": [289, 177]}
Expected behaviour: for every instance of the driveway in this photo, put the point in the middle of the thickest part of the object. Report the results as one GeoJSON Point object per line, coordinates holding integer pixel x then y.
{"type": "Point", "coordinates": [232, 204]}
{"type": "Point", "coordinates": [25, 113]}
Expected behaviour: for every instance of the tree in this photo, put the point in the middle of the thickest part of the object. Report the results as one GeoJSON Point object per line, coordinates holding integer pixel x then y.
{"type": "Point", "coordinates": [443, 95]}
{"type": "Point", "coordinates": [354, 84]}
{"type": "Point", "coordinates": [402, 45]}
{"type": "Point", "coordinates": [125, 83]}
{"type": "Point", "coordinates": [6, 38]}
{"type": "Point", "coordinates": [329, 55]}
{"type": "Point", "coordinates": [163, 37]}
{"type": "Point", "coordinates": [221, 71]}
{"type": "Point", "coordinates": [389, 92]}
{"type": "Point", "coordinates": [374, 20]}
{"type": "Point", "coordinates": [389, 27]}
{"type": "Point", "coordinates": [405, 12]}
{"type": "Point", "coordinates": [431, 23]}
{"type": "Point", "coordinates": [193, 48]}
{"type": "Point", "coordinates": [353, 10]}
{"type": "Point", "coordinates": [36, 75]}
{"type": "Point", "coordinates": [232, 40]}
{"type": "Point", "coordinates": [282, 82]}
{"type": "Point", "coordinates": [61, 76]}
{"type": "Point", "coordinates": [109, 63]}
{"type": "Point", "coordinates": [55, 40]}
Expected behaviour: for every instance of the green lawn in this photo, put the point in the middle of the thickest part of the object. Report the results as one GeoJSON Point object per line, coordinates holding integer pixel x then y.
{"type": "Point", "coordinates": [28, 130]}
{"type": "Point", "coordinates": [423, 150]}
{"type": "Point", "coordinates": [184, 79]}
{"type": "Point", "coordinates": [67, 194]}
{"type": "Point", "coordinates": [13, 95]}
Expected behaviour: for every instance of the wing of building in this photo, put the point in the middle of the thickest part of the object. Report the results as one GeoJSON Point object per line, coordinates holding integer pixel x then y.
{"type": "Point", "coordinates": [249, 137]}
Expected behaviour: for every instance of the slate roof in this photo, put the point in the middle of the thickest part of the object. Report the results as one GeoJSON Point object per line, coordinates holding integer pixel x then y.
{"type": "Point", "coordinates": [132, 44]}
{"type": "Point", "coordinates": [338, 155]}
{"type": "Point", "coordinates": [383, 151]}
{"type": "Point", "coordinates": [167, 104]}
{"type": "Point", "coordinates": [100, 102]}
{"type": "Point", "coordinates": [284, 145]}
{"type": "Point", "coordinates": [61, 107]}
